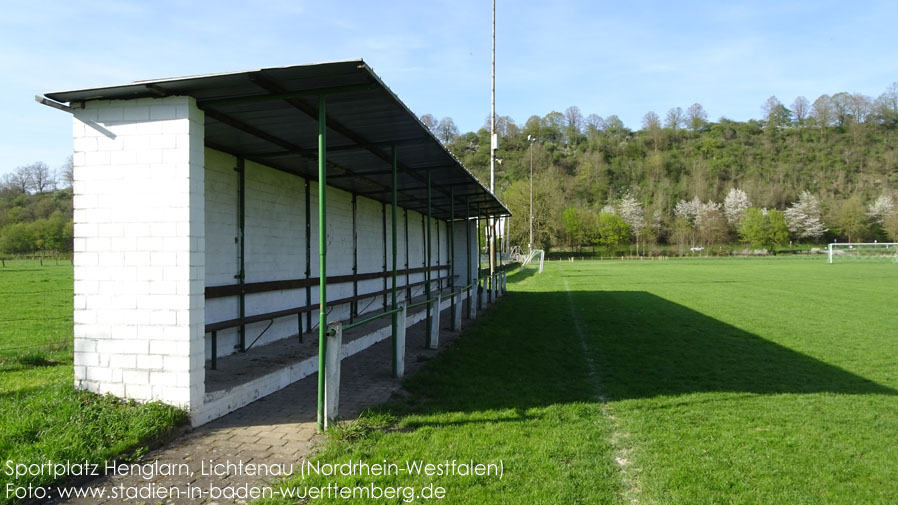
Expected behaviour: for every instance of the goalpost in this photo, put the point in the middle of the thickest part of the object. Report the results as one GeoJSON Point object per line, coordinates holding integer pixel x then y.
{"type": "Point", "coordinates": [533, 254]}
{"type": "Point", "coordinates": [862, 251]}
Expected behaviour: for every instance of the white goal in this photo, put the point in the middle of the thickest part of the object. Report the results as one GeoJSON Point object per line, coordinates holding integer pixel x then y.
{"type": "Point", "coordinates": [530, 258]}
{"type": "Point", "coordinates": [862, 251]}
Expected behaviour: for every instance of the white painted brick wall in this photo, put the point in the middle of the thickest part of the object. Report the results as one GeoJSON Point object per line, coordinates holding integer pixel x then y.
{"type": "Point", "coordinates": [275, 246]}
{"type": "Point", "coordinates": [139, 258]}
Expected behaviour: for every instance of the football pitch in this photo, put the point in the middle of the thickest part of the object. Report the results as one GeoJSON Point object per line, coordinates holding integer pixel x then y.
{"type": "Point", "coordinates": [737, 381]}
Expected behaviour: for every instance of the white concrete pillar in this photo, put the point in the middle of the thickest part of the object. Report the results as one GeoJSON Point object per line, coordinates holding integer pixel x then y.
{"type": "Point", "coordinates": [401, 323]}
{"type": "Point", "coordinates": [139, 228]}
{"type": "Point", "coordinates": [456, 313]}
{"type": "Point", "coordinates": [494, 286]}
{"type": "Point", "coordinates": [472, 302]}
{"type": "Point", "coordinates": [332, 373]}
{"type": "Point", "coordinates": [481, 295]}
{"type": "Point", "coordinates": [435, 322]}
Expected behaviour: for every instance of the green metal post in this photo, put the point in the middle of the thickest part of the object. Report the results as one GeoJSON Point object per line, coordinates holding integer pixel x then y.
{"type": "Point", "coordinates": [383, 216]}
{"type": "Point", "coordinates": [452, 248]}
{"type": "Point", "coordinates": [308, 255]}
{"type": "Point", "coordinates": [478, 250]}
{"type": "Point", "coordinates": [468, 247]}
{"type": "Point", "coordinates": [322, 252]}
{"type": "Point", "coordinates": [394, 305]}
{"type": "Point", "coordinates": [427, 275]}
{"type": "Point", "coordinates": [241, 275]}
{"type": "Point", "coordinates": [408, 276]}
{"type": "Point", "coordinates": [354, 306]}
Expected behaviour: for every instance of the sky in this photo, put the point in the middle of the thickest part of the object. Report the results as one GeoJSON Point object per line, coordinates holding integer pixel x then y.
{"type": "Point", "coordinates": [623, 58]}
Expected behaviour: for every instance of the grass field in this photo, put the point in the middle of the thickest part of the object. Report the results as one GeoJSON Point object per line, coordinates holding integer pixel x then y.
{"type": "Point", "coordinates": [732, 381]}
{"type": "Point", "coordinates": [42, 416]}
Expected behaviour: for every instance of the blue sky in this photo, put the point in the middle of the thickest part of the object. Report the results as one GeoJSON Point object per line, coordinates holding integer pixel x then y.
{"type": "Point", "coordinates": [623, 58]}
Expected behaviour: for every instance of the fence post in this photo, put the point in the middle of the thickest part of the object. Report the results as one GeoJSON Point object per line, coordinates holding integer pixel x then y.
{"type": "Point", "coordinates": [400, 338]}
{"type": "Point", "coordinates": [332, 373]}
{"type": "Point", "coordinates": [435, 322]}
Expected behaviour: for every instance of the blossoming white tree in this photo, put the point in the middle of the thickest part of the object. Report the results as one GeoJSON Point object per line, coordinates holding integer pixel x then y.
{"type": "Point", "coordinates": [804, 218]}
{"type": "Point", "coordinates": [881, 209]}
{"type": "Point", "coordinates": [630, 211]}
{"type": "Point", "coordinates": [734, 206]}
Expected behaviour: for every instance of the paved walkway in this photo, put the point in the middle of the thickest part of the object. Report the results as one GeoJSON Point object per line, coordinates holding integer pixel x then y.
{"type": "Point", "coordinates": [277, 429]}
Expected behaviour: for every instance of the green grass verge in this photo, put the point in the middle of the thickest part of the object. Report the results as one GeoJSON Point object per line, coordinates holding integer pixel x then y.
{"type": "Point", "coordinates": [42, 417]}
{"type": "Point", "coordinates": [737, 381]}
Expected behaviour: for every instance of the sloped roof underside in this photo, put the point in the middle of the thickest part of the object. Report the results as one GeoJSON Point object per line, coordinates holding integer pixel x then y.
{"type": "Point", "coordinates": [270, 116]}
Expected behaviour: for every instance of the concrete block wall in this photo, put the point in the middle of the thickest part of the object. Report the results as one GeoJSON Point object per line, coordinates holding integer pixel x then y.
{"type": "Point", "coordinates": [276, 246]}
{"type": "Point", "coordinates": [139, 249]}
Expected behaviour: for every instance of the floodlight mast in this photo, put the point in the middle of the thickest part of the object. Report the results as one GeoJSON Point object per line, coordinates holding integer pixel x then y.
{"type": "Point", "coordinates": [531, 139]}
{"type": "Point", "coordinates": [493, 148]}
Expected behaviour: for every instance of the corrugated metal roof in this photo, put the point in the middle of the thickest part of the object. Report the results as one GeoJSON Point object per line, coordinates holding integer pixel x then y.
{"type": "Point", "coordinates": [270, 116]}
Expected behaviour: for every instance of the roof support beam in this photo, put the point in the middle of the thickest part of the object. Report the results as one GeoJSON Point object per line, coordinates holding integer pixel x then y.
{"type": "Point", "coordinates": [276, 90]}
{"type": "Point", "coordinates": [286, 95]}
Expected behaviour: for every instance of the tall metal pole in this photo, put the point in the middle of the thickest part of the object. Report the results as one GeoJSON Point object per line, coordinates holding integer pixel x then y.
{"type": "Point", "coordinates": [394, 305]}
{"type": "Point", "coordinates": [530, 244]}
{"type": "Point", "coordinates": [493, 145]}
{"type": "Point", "coordinates": [322, 253]}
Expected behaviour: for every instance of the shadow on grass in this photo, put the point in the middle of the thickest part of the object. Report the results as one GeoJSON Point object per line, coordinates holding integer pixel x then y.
{"type": "Point", "coordinates": [520, 275]}
{"type": "Point", "coordinates": [526, 353]}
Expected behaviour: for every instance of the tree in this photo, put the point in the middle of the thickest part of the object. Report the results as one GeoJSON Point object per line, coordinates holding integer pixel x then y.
{"type": "Point", "coordinates": [881, 209]}
{"type": "Point", "coordinates": [446, 130]}
{"type": "Point", "coordinates": [775, 113]}
{"type": "Point", "coordinates": [553, 126]}
{"type": "Point", "coordinates": [572, 226]}
{"type": "Point", "coordinates": [674, 119]}
{"type": "Point", "coordinates": [18, 181]}
{"type": "Point", "coordinates": [800, 109]}
{"type": "Point", "coordinates": [651, 121]}
{"type": "Point", "coordinates": [850, 219]}
{"type": "Point", "coordinates": [574, 118]}
{"type": "Point", "coordinates": [734, 206]}
{"type": "Point", "coordinates": [696, 117]}
{"type": "Point", "coordinates": [804, 218]}
{"type": "Point", "coordinates": [712, 228]}
{"type": "Point", "coordinates": [886, 106]}
{"type": "Point", "coordinates": [688, 210]}
{"type": "Point", "coordinates": [505, 125]}
{"type": "Point", "coordinates": [890, 226]}
{"type": "Point", "coordinates": [67, 172]}
{"type": "Point", "coordinates": [40, 177]}
{"type": "Point", "coordinates": [594, 122]}
{"type": "Point", "coordinates": [841, 106]}
{"type": "Point", "coordinates": [859, 106]}
{"type": "Point", "coordinates": [778, 229]}
{"type": "Point", "coordinates": [612, 229]}
{"type": "Point", "coordinates": [430, 122]}
{"type": "Point", "coordinates": [614, 124]}
{"type": "Point", "coordinates": [755, 228]}
{"type": "Point", "coordinates": [822, 111]}
{"type": "Point", "coordinates": [631, 212]}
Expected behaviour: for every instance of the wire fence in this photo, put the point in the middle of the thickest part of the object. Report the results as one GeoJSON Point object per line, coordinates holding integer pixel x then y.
{"type": "Point", "coordinates": [35, 311]}
{"type": "Point", "coordinates": [38, 259]}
